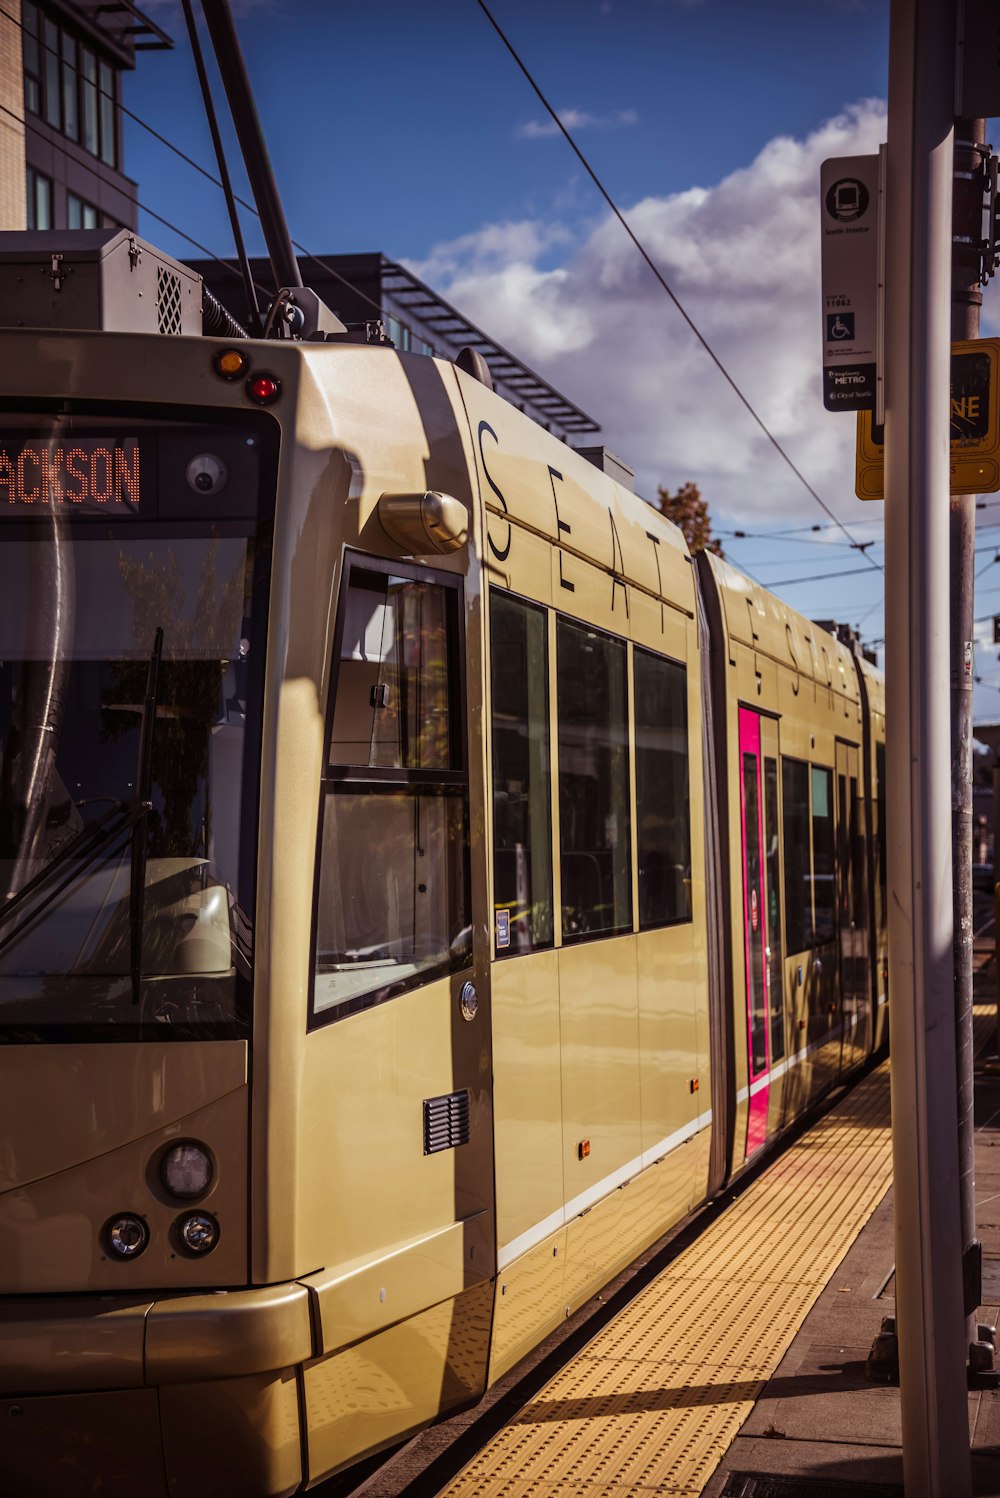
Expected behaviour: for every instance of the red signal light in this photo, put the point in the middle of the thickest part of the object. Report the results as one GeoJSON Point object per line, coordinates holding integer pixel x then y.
{"type": "Point", "coordinates": [264, 389]}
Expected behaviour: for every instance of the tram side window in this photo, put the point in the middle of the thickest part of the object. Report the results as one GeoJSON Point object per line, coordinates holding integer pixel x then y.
{"type": "Point", "coordinates": [824, 896]}
{"type": "Point", "coordinates": [393, 903]}
{"type": "Point", "coordinates": [594, 825]}
{"type": "Point", "coordinates": [393, 704]}
{"type": "Point", "coordinates": [522, 816]}
{"type": "Point", "coordinates": [798, 872]}
{"type": "Point", "coordinates": [663, 815]}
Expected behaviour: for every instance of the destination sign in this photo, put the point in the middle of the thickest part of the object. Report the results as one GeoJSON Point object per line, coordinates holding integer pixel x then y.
{"type": "Point", "coordinates": [975, 426]}
{"type": "Point", "coordinates": [83, 475]}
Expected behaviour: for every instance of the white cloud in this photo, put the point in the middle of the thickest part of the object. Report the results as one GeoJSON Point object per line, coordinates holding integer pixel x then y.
{"type": "Point", "coordinates": [576, 119]}
{"type": "Point", "coordinates": [743, 258]}
{"type": "Point", "coordinates": [490, 250]}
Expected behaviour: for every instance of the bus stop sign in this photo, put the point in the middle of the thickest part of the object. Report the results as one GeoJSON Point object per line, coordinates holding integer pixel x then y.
{"type": "Point", "coordinates": [975, 426]}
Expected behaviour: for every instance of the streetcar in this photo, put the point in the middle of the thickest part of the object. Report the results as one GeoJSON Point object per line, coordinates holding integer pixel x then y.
{"type": "Point", "coordinates": [426, 884]}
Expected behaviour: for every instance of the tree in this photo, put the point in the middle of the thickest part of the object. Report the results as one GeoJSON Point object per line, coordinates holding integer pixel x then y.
{"type": "Point", "coordinates": [689, 512]}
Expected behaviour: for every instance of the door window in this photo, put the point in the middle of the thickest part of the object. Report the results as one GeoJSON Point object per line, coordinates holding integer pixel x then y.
{"type": "Point", "coordinates": [754, 914]}
{"type": "Point", "coordinates": [824, 901]}
{"type": "Point", "coordinates": [775, 956]}
{"type": "Point", "coordinates": [798, 871]}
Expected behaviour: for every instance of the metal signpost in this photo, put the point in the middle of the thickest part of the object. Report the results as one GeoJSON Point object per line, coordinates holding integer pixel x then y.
{"type": "Point", "coordinates": [928, 1240]}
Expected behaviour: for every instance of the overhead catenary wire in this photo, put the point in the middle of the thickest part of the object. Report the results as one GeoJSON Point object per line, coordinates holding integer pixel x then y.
{"type": "Point", "coordinates": [868, 613]}
{"type": "Point", "coordinates": [792, 540]}
{"type": "Point", "coordinates": [801, 533]}
{"type": "Point", "coordinates": [661, 279]}
{"type": "Point", "coordinates": [345, 281]}
{"type": "Point", "coordinates": [817, 577]}
{"type": "Point", "coordinates": [249, 289]}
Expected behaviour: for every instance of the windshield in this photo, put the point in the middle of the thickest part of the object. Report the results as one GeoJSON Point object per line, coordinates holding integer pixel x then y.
{"type": "Point", "coordinates": [126, 822]}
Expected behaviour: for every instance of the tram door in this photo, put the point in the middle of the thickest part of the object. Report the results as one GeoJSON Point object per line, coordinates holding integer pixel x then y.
{"type": "Point", "coordinates": [761, 922]}
{"type": "Point", "coordinates": [852, 907]}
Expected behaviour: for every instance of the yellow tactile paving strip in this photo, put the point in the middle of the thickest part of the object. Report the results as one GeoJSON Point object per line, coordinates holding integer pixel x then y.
{"type": "Point", "coordinates": [652, 1404]}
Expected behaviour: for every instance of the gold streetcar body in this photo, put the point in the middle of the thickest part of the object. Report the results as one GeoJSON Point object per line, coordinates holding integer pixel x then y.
{"type": "Point", "coordinates": [478, 814]}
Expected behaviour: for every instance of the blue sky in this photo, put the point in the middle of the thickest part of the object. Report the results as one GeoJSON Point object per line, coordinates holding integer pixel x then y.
{"type": "Point", "coordinates": [406, 127]}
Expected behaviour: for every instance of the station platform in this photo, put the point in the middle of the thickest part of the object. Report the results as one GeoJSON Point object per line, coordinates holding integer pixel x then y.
{"type": "Point", "coordinates": [739, 1372]}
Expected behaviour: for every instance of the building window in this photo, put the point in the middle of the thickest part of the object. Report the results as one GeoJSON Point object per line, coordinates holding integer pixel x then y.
{"type": "Point", "coordinates": [67, 86]}
{"type": "Point", "coordinates": [106, 80]}
{"type": "Point", "coordinates": [50, 72]}
{"type": "Point", "coordinates": [79, 214]}
{"type": "Point", "coordinates": [70, 95]}
{"type": "Point", "coordinates": [404, 338]}
{"type": "Point", "coordinates": [32, 59]}
{"type": "Point", "coordinates": [39, 200]}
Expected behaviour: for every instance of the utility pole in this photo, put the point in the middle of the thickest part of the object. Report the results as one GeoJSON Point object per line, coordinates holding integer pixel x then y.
{"type": "Point", "coordinates": [928, 1239]}
{"type": "Point", "coordinates": [966, 300]}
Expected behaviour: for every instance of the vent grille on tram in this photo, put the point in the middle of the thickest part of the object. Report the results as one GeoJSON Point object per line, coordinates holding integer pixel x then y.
{"type": "Point", "coordinates": [169, 314]}
{"type": "Point", "coordinates": [446, 1122]}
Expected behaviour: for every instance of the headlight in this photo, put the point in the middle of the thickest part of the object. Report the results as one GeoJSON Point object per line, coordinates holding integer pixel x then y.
{"type": "Point", "coordinates": [186, 1170]}
{"type": "Point", "coordinates": [126, 1236]}
{"type": "Point", "coordinates": [199, 1232]}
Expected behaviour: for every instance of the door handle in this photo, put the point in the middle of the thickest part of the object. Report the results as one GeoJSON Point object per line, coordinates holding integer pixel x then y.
{"type": "Point", "coordinates": [817, 964]}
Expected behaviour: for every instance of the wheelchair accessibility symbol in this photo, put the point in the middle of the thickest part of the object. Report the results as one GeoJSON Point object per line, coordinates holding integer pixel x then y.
{"type": "Point", "coordinates": [840, 327]}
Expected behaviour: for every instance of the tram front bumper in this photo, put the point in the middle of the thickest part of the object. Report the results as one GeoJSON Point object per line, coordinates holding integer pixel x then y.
{"type": "Point", "coordinates": [48, 1343]}
{"type": "Point", "coordinates": [194, 1393]}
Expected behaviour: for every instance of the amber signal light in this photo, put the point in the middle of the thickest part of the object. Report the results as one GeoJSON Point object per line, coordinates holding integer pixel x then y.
{"type": "Point", "coordinates": [264, 389]}
{"type": "Point", "coordinates": [583, 1149]}
{"type": "Point", "coordinates": [230, 364]}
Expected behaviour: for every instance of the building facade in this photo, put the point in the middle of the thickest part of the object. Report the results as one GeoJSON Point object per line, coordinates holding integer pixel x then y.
{"type": "Point", "coordinates": [61, 160]}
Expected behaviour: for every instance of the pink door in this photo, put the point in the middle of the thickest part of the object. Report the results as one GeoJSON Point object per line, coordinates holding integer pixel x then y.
{"type": "Point", "coordinates": [754, 928]}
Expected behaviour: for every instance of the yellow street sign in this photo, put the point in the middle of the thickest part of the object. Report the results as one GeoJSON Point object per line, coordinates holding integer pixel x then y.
{"type": "Point", "coordinates": [975, 426]}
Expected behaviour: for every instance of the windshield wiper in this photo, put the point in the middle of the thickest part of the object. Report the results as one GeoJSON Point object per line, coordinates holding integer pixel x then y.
{"type": "Point", "coordinates": [86, 846]}
{"type": "Point", "coordinates": [143, 805]}
{"type": "Point", "coordinates": [94, 840]}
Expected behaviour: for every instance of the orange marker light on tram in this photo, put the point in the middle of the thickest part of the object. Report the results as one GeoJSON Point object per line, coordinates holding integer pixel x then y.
{"type": "Point", "coordinates": [230, 364]}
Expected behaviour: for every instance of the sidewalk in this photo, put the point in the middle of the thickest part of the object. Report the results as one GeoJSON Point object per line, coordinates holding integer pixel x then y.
{"type": "Point", "coordinates": [818, 1421]}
